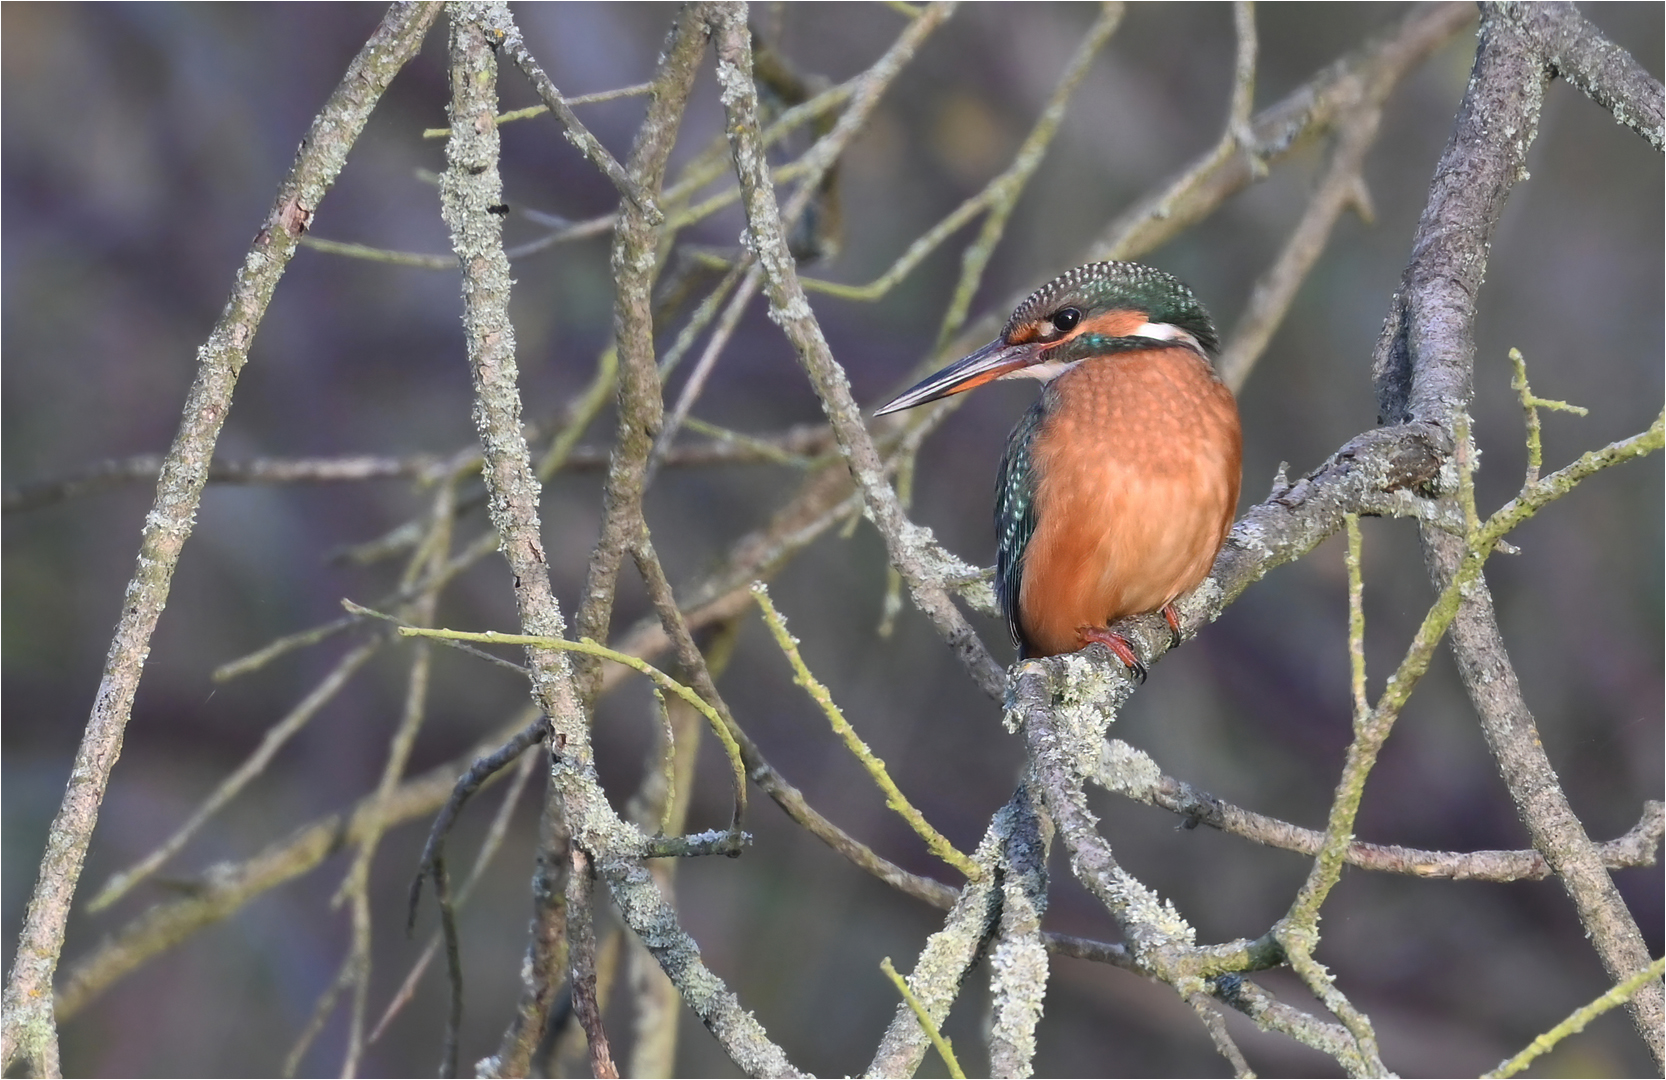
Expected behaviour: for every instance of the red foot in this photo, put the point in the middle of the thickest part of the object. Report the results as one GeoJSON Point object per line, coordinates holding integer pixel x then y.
{"type": "Point", "coordinates": [1173, 618]}
{"type": "Point", "coordinates": [1115, 642]}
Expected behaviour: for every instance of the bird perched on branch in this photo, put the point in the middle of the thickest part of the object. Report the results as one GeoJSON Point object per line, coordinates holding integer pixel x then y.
{"type": "Point", "coordinates": [1119, 485]}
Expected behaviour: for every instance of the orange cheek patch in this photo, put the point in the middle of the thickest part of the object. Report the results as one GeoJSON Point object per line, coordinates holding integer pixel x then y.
{"type": "Point", "coordinates": [1111, 324]}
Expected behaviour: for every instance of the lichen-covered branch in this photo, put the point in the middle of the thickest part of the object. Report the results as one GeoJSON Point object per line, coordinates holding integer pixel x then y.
{"type": "Point", "coordinates": [635, 263]}
{"type": "Point", "coordinates": [1424, 368]}
{"type": "Point", "coordinates": [1132, 773]}
{"type": "Point", "coordinates": [1607, 74]}
{"type": "Point", "coordinates": [1018, 957]}
{"type": "Point", "coordinates": [28, 1030]}
{"type": "Point", "coordinates": [905, 541]}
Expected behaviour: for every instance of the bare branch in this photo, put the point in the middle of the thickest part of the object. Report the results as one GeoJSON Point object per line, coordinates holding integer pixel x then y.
{"type": "Point", "coordinates": [573, 128]}
{"type": "Point", "coordinates": [1130, 772]}
{"type": "Point", "coordinates": [581, 952]}
{"type": "Point", "coordinates": [1018, 960]}
{"type": "Point", "coordinates": [28, 1029]}
{"type": "Point", "coordinates": [1603, 71]}
{"type": "Point", "coordinates": [273, 741]}
{"type": "Point", "coordinates": [225, 888]}
{"type": "Point", "coordinates": [1367, 75]}
{"type": "Point", "coordinates": [905, 541]}
{"type": "Point", "coordinates": [641, 407]}
{"type": "Point", "coordinates": [1424, 368]}
{"type": "Point", "coordinates": [1276, 289]}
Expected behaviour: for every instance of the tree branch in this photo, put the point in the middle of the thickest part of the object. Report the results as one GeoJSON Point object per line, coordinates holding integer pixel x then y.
{"type": "Point", "coordinates": [1603, 71]}
{"type": "Point", "coordinates": [28, 1029]}
{"type": "Point", "coordinates": [1424, 369]}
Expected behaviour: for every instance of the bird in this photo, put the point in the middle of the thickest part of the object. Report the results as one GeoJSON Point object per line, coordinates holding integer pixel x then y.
{"type": "Point", "coordinates": [1119, 485]}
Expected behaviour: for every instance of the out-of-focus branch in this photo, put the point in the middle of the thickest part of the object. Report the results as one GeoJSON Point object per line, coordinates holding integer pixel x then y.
{"type": "Point", "coordinates": [823, 501]}
{"type": "Point", "coordinates": [789, 447]}
{"type": "Point", "coordinates": [749, 281]}
{"type": "Point", "coordinates": [28, 1031]}
{"type": "Point", "coordinates": [226, 887]}
{"type": "Point", "coordinates": [1576, 1022]}
{"type": "Point", "coordinates": [998, 197]}
{"type": "Point", "coordinates": [539, 110]}
{"type": "Point", "coordinates": [103, 475]}
{"type": "Point", "coordinates": [1366, 75]}
{"type": "Point", "coordinates": [581, 949]}
{"type": "Point", "coordinates": [948, 955]}
{"type": "Point", "coordinates": [1276, 289]}
{"type": "Point", "coordinates": [252, 766]}
{"type": "Point", "coordinates": [1002, 193]}
{"type": "Point", "coordinates": [936, 842]}
{"type": "Point", "coordinates": [944, 1049]}
{"type": "Point", "coordinates": [546, 963]}
{"type": "Point", "coordinates": [488, 847]}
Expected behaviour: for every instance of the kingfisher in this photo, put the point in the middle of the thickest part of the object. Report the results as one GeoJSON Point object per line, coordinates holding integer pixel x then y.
{"type": "Point", "coordinates": [1119, 485]}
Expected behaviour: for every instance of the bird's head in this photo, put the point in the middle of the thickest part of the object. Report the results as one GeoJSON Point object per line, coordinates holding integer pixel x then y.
{"type": "Point", "coordinates": [1093, 310]}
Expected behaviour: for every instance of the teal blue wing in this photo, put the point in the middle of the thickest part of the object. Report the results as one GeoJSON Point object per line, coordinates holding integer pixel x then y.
{"type": "Point", "coordinates": [1015, 515]}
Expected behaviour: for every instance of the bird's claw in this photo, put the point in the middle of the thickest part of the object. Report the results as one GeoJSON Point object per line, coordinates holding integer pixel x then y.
{"type": "Point", "coordinates": [1118, 645]}
{"type": "Point", "coordinates": [1173, 618]}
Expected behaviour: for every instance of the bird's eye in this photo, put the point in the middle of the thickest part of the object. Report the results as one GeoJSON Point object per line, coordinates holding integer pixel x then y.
{"type": "Point", "coordinates": [1066, 320]}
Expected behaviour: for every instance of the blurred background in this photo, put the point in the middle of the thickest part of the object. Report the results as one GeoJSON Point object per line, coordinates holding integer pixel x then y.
{"type": "Point", "coordinates": [142, 146]}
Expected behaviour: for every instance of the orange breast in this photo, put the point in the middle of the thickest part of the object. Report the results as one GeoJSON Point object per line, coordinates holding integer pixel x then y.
{"type": "Point", "coordinates": [1137, 467]}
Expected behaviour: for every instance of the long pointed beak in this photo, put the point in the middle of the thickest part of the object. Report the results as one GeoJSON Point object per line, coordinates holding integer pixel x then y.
{"type": "Point", "coordinates": [988, 363]}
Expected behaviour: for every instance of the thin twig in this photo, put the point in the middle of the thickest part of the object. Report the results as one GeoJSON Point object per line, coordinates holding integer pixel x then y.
{"type": "Point", "coordinates": [905, 542]}
{"type": "Point", "coordinates": [1576, 1022]}
{"type": "Point", "coordinates": [1531, 403]}
{"type": "Point", "coordinates": [572, 127]}
{"type": "Point", "coordinates": [545, 999]}
{"type": "Point", "coordinates": [355, 885]}
{"type": "Point", "coordinates": [104, 475]}
{"type": "Point", "coordinates": [672, 424]}
{"type": "Point", "coordinates": [1369, 73]}
{"type": "Point", "coordinates": [1276, 289]}
{"type": "Point", "coordinates": [252, 766]}
{"type": "Point", "coordinates": [539, 110]}
{"type": "Point", "coordinates": [480, 773]}
{"type": "Point", "coordinates": [1216, 1027]}
{"type": "Point", "coordinates": [590, 648]}
{"type": "Point", "coordinates": [710, 703]}
{"type": "Point", "coordinates": [1132, 773]}
{"type": "Point", "coordinates": [488, 847]}
{"type": "Point", "coordinates": [944, 1049]}
{"type": "Point", "coordinates": [223, 889]}
{"type": "Point", "coordinates": [581, 955]}
{"type": "Point", "coordinates": [453, 968]}
{"type": "Point", "coordinates": [936, 842]}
